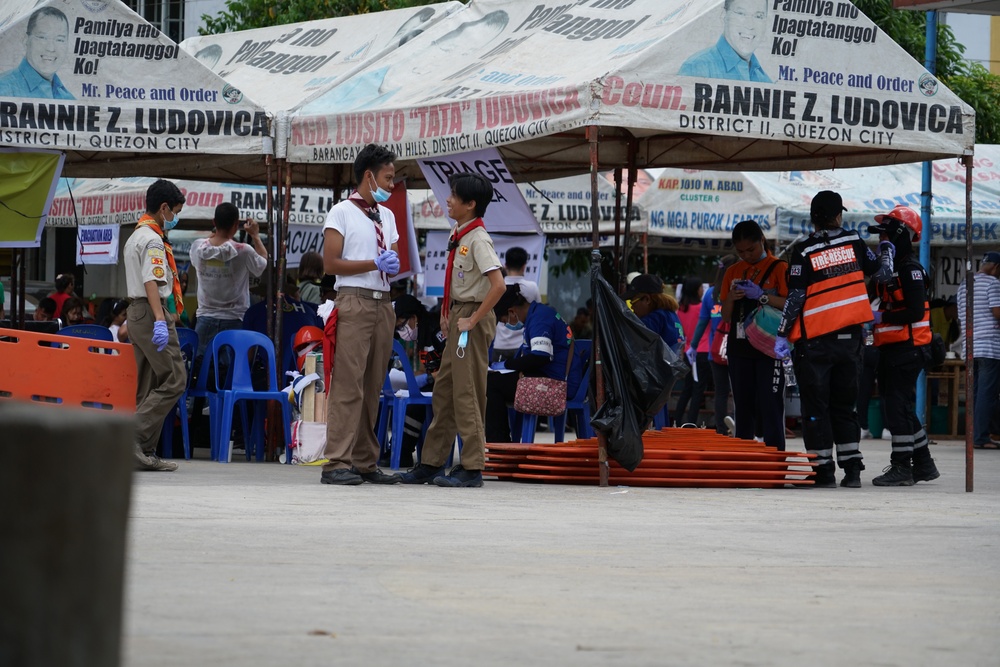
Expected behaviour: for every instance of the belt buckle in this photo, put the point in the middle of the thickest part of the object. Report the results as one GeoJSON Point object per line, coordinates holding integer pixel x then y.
{"type": "Point", "coordinates": [377, 295]}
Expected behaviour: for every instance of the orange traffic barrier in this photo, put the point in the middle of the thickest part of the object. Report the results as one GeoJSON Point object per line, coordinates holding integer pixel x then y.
{"type": "Point", "coordinates": [67, 371]}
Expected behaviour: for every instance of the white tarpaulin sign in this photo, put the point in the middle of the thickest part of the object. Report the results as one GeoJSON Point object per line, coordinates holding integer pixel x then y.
{"type": "Point", "coordinates": [436, 257]}
{"type": "Point", "coordinates": [508, 212]}
{"type": "Point", "coordinates": [92, 75]}
{"type": "Point", "coordinates": [97, 244]}
{"type": "Point", "coordinates": [702, 204]}
{"type": "Point", "coordinates": [286, 64]}
{"type": "Point", "coordinates": [782, 77]}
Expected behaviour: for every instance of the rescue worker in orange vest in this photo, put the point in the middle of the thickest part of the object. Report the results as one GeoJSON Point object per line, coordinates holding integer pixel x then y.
{"type": "Point", "coordinates": [903, 336]}
{"type": "Point", "coordinates": [823, 317]}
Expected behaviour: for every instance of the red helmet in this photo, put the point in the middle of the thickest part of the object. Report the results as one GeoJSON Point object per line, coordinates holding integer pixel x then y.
{"type": "Point", "coordinates": [307, 339]}
{"type": "Point", "coordinates": [905, 215]}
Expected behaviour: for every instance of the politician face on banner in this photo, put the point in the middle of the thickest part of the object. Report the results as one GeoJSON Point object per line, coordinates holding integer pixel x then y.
{"type": "Point", "coordinates": [732, 56]}
{"type": "Point", "coordinates": [47, 43]}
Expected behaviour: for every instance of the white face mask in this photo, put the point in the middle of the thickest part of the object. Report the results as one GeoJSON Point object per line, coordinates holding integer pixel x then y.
{"type": "Point", "coordinates": [407, 333]}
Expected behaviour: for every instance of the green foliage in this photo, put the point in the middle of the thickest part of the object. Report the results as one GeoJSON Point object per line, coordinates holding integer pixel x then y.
{"type": "Point", "coordinates": [971, 81]}
{"type": "Point", "coordinates": [247, 14]}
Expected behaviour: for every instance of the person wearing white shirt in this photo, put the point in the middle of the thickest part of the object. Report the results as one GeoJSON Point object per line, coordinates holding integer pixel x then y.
{"type": "Point", "coordinates": [224, 268]}
{"type": "Point", "coordinates": [359, 247]}
{"type": "Point", "coordinates": [507, 342]}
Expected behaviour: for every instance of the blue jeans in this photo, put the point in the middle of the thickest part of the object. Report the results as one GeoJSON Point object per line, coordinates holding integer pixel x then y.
{"type": "Point", "coordinates": [986, 374]}
{"type": "Point", "coordinates": [208, 327]}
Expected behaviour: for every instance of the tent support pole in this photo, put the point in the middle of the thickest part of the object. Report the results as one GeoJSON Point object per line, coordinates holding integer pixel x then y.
{"type": "Point", "coordinates": [270, 285]}
{"type": "Point", "coordinates": [22, 285]}
{"type": "Point", "coordinates": [595, 261]}
{"type": "Point", "coordinates": [969, 358]}
{"type": "Point", "coordinates": [619, 261]}
{"type": "Point", "coordinates": [633, 174]}
{"type": "Point", "coordinates": [930, 62]}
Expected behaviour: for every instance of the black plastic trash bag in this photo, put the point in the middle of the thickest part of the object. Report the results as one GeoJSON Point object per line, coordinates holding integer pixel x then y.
{"type": "Point", "coordinates": [639, 372]}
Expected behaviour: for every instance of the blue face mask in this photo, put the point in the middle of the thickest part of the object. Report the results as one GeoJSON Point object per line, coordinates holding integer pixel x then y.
{"type": "Point", "coordinates": [381, 196]}
{"type": "Point", "coordinates": [170, 224]}
{"type": "Point", "coordinates": [513, 327]}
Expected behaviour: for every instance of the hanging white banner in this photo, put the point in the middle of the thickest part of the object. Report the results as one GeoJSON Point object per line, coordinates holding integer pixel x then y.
{"type": "Point", "coordinates": [436, 258]}
{"type": "Point", "coordinates": [508, 212]}
{"type": "Point", "coordinates": [97, 244]}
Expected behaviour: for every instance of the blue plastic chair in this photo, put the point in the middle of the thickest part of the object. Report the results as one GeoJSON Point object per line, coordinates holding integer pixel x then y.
{"type": "Point", "coordinates": [188, 339]}
{"type": "Point", "coordinates": [384, 414]}
{"type": "Point", "coordinates": [577, 405]}
{"type": "Point", "coordinates": [402, 400]}
{"type": "Point", "coordinates": [92, 331]}
{"type": "Point", "coordinates": [237, 387]}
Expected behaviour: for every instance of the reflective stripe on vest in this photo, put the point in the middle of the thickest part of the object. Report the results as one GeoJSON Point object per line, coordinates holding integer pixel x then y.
{"type": "Point", "coordinates": [918, 332]}
{"type": "Point", "coordinates": [831, 305]}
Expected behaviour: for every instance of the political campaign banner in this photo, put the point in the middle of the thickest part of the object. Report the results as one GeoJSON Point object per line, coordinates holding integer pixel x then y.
{"type": "Point", "coordinates": [92, 75]}
{"type": "Point", "coordinates": [97, 244]}
{"type": "Point", "coordinates": [508, 211]}
{"type": "Point", "coordinates": [286, 64]}
{"type": "Point", "coordinates": [436, 257]}
{"type": "Point", "coordinates": [771, 72]}
{"type": "Point", "coordinates": [561, 206]}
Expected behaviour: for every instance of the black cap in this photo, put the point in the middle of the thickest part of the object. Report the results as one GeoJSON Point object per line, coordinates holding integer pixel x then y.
{"type": "Point", "coordinates": [826, 205]}
{"type": "Point", "coordinates": [407, 306]}
{"type": "Point", "coordinates": [992, 257]}
{"type": "Point", "coordinates": [507, 301]}
{"type": "Point", "coordinates": [644, 283]}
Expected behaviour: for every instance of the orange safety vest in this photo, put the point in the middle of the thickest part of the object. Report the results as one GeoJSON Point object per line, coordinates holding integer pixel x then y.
{"type": "Point", "coordinates": [833, 303]}
{"type": "Point", "coordinates": [919, 332]}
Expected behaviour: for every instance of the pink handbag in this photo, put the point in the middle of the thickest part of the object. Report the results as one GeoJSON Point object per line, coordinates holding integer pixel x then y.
{"type": "Point", "coordinates": [542, 396]}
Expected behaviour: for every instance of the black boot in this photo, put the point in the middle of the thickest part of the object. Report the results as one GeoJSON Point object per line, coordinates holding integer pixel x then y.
{"type": "Point", "coordinates": [852, 474]}
{"type": "Point", "coordinates": [899, 473]}
{"type": "Point", "coordinates": [924, 469]}
{"type": "Point", "coordinates": [825, 478]}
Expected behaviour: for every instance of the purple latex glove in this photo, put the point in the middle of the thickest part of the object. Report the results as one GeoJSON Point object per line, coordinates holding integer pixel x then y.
{"type": "Point", "coordinates": [886, 247]}
{"type": "Point", "coordinates": [161, 335]}
{"type": "Point", "coordinates": [782, 350]}
{"type": "Point", "coordinates": [691, 355]}
{"type": "Point", "coordinates": [388, 262]}
{"type": "Point", "coordinates": [751, 290]}
{"type": "Point", "coordinates": [877, 316]}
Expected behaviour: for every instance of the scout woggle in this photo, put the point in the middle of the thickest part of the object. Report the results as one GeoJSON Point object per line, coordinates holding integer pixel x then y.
{"type": "Point", "coordinates": [463, 340]}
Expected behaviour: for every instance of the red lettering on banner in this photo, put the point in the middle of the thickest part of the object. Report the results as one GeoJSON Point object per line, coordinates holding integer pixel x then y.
{"type": "Point", "coordinates": [645, 95]}
{"type": "Point", "coordinates": [370, 127]}
{"type": "Point", "coordinates": [519, 108]}
{"type": "Point", "coordinates": [439, 120]}
{"type": "Point", "coordinates": [311, 132]}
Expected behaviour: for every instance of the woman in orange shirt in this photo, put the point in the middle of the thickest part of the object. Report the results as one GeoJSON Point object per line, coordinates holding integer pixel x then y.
{"type": "Point", "coordinates": [758, 381]}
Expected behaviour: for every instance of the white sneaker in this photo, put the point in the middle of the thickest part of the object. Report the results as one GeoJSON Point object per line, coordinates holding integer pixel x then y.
{"type": "Point", "coordinates": [866, 434]}
{"type": "Point", "coordinates": [731, 425]}
{"type": "Point", "coordinates": [886, 435]}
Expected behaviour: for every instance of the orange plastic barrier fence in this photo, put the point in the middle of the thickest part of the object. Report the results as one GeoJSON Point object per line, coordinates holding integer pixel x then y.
{"type": "Point", "coordinates": [67, 371]}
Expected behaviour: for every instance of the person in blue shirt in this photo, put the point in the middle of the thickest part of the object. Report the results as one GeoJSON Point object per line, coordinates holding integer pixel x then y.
{"type": "Point", "coordinates": [744, 26]}
{"type": "Point", "coordinates": [47, 45]}
{"type": "Point", "coordinates": [658, 311]}
{"type": "Point", "coordinates": [544, 353]}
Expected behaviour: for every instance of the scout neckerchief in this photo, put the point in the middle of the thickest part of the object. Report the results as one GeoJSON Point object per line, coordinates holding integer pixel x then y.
{"type": "Point", "coordinates": [149, 221]}
{"type": "Point", "coordinates": [452, 247]}
{"type": "Point", "coordinates": [373, 215]}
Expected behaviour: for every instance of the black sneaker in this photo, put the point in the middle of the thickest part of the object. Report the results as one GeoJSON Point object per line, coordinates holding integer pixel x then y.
{"type": "Point", "coordinates": [378, 477]}
{"type": "Point", "coordinates": [895, 474]}
{"type": "Point", "coordinates": [421, 474]}
{"type": "Point", "coordinates": [925, 471]}
{"type": "Point", "coordinates": [823, 482]}
{"type": "Point", "coordinates": [341, 477]}
{"type": "Point", "coordinates": [852, 476]}
{"type": "Point", "coordinates": [460, 477]}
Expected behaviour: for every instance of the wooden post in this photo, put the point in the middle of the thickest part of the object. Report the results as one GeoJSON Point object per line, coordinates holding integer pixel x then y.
{"type": "Point", "coordinates": [595, 259]}
{"type": "Point", "coordinates": [969, 359]}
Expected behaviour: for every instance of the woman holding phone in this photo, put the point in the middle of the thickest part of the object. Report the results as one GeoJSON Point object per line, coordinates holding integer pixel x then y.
{"type": "Point", "coordinates": [758, 382]}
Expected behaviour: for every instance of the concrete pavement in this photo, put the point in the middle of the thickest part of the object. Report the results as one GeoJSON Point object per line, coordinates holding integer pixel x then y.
{"type": "Point", "coordinates": [252, 564]}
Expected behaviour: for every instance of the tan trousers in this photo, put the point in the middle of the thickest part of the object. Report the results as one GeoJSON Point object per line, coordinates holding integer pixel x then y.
{"type": "Point", "coordinates": [360, 364]}
{"type": "Point", "coordinates": [161, 376]}
{"type": "Point", "coordinates": [459, 403]}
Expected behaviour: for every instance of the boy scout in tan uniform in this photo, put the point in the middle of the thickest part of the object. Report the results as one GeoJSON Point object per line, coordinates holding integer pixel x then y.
{"type": "Point", "coordinates": [473, 285]}
{"type": "Point", "coordinates": [150, 278]}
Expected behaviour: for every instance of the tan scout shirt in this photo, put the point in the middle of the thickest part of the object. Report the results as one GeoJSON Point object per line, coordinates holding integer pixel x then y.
{"type": "Point", "coordinates": [145, 260]}
{"type": "Point", "coordinates": [474, 258]}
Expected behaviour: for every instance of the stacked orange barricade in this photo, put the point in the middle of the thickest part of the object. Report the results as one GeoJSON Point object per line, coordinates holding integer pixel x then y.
{"type": "Point", "coordinates": [672, 457]}
{"type": "Point", "coordinates": [67, 371]}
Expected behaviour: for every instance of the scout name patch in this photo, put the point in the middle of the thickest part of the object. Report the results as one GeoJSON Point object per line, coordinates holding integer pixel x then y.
{"type": "Point", "coordinates": [158, 272]}
{"type": "Point", "coordinates": [156, 261]}
{"type": "Point", "coordinates": [463, 250]}
{"type": "Point", "coordinates": [155, 252]}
